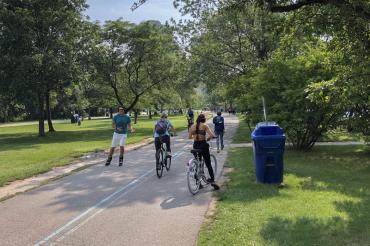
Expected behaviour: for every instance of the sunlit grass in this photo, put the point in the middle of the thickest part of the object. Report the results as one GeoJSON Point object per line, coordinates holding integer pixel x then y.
{"type": "Point", "coordinates": [326, 201]}
{"type": "Point", "coordinates": [243, 133]}
{"type": "Point", "coordinates": [23, 153]}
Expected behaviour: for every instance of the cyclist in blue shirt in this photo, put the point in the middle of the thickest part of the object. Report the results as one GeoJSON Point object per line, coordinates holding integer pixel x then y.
{"type": "Point", "coordinates": [161, 133]}
{"type": "Point", "coordinates": [120, 123]}
{"type": "Point", "coordinates": [219, 123]}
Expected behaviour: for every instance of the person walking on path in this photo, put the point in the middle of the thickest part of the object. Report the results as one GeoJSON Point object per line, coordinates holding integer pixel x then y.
{"type": "Point", "coordinates": [198, 133]}
{"type": "Point", "coordinates": [219, 124]}
{"type": "Point", "coordinates": [120, 123]}
{"type": "Point", "coordinates": [190, 118]}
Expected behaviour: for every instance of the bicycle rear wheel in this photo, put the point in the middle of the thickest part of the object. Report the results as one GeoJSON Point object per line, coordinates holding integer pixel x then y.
{"type": "Point", "coordinates": [214, 167]}
{"type": "Point", "coordinates": [168, 163]}
{"type": "Point", "coordinates": [193, 177]}
{"type": "Point", "coordinates": [159, 163]}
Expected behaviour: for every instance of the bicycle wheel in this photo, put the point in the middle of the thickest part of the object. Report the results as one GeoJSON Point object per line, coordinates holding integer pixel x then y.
{"type": "Point", "coordinates": [193, 177]}
{"type": "Point", "coordinates": [214, 167]}
{"type": "Point", "coordinates": [159, 163]}
{"type": "Point", "coordinates": [168, 163]}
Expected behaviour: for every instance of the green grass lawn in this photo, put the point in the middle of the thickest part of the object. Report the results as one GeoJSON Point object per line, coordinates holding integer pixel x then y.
{"type": "Point", "coordinates": [337, 135]}
{"type": "Point", "coordinates": [341, 136]}
{"type": "Point", "coordinates": [23, 154]}
{"type": "Point", "coordinates": [243, 134]}
{"type": "Point", "coordinates": [326, 201]}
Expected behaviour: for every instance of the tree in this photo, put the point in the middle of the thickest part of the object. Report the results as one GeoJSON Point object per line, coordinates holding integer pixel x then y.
{"type": "Point", "coordinates": [135, 58]}
{"type": "Point", "coordinates": [300, 94]}
{"type": "Point", "coordinates": [37, 46]}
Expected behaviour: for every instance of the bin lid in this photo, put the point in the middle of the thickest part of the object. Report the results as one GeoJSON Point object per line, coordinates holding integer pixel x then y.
{"type": "Point", "coordinates": [267, 129]}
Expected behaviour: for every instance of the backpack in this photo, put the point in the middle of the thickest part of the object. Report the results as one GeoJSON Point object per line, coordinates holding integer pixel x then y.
{"type": "Point", "coordinates": [219, 123]}
{"type": "Point", "coordinates": [161, 127]}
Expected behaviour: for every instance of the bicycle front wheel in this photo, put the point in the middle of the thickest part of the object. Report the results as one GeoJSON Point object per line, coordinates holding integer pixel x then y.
{"type": "Point", "coordinates": [214, 167]}
{"type": "Point", "coordinates": [193, 177]}
{"type": "Point", "coordinates": [159, 163]}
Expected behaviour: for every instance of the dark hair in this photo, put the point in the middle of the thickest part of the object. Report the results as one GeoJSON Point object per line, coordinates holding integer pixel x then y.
{"type": "Point", "coordinates": [218, 113]}
{"type": "Point", "coordinates": [201, 118]}
{"type": "Point", "coordinates": [124, 109]}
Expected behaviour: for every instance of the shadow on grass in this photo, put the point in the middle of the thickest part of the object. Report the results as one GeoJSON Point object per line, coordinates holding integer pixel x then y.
{"type": "Point", "coordinates": [343, 170]}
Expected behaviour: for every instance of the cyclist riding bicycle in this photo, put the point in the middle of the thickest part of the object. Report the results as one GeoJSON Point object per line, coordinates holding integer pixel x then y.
{"type": "Point", "coordinates": [198, 133]}
{"type": "Point", "coordinates": [161, 133]}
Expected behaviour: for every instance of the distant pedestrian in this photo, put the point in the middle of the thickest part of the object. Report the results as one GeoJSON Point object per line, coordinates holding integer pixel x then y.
{"type": "Point", "coordinates": [219, 130]}
{"type": "Point", "coordinates": [76, 117]}
{"type": "Point", "coordinates": [121, 123]}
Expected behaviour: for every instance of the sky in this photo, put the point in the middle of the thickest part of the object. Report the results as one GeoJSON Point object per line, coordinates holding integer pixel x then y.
{"type": "Point", "coordinates": [103, 10]}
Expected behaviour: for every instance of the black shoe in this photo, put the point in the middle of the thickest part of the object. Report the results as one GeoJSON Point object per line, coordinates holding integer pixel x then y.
{"type": "Point", "coordinates": [222, 147]}
{"type": "Point", "coordinates": [159, 166]}
{"type": "Point", "coordinates": [209, 181]}
{"type": "Point", "coordinates": [107, 163]}
{"type": "Point", "coordinates": [120, 163]}
{"type": "Point", "coordinates": [215, 186]}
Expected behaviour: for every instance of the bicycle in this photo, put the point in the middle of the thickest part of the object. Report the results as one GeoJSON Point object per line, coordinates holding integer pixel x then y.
{"type": "Point", "coordinates": [196, 176]}
{"type": "Point", "coordinates": [162, 159]}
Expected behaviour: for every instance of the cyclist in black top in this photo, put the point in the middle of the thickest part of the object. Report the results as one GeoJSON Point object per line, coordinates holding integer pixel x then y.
{"type": "Point", "coordinates": [198, 133]}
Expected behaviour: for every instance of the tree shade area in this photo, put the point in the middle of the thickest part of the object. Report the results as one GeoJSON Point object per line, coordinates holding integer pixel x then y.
{"type": "Point", "coordinates": [309, 59]}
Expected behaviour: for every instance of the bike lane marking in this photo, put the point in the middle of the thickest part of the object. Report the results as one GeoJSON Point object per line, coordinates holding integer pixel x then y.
{"type": "Point", "coordinates": [100, 206]}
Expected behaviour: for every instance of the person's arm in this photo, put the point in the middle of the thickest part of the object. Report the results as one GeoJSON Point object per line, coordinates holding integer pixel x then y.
{"type": "Point", "coordinates": [173, 129]}
{"type": "Point", "coordinates": [129, 125]}
{"type": "Point", "coordinates": [223, 124]}
{"type": "Point", "coordinates": [113, 124]}
{"type": "Point", "coordinates": [210, 133]}
{"type": "Point", "coordinates": [190, 134]}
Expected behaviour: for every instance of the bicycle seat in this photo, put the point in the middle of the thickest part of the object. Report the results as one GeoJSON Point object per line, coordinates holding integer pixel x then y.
{"type": "Point", "coordinates": [196, 151]}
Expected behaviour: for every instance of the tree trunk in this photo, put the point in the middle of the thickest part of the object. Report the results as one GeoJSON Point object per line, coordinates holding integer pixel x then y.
{"type": "Point", "coordinates": [111, 113]}
{"type": "Point", "coordinates": [135, 115]}
{"type": "Point", "coordinates": [41, 116]}
{"type": "Point", "coordinates": [48, 112]}
{"type": "Point", "coordinates": [150, 113]}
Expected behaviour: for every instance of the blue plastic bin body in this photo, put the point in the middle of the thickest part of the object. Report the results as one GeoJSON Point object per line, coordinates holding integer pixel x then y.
{"type": "Point", "coordinates": [268, 151]}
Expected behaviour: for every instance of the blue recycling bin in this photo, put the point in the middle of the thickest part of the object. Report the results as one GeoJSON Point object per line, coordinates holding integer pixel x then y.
{"type": "Point", "coordinates": [268, 150]}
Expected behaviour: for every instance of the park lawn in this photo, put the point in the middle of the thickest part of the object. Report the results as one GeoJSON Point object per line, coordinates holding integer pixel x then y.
{"type": "Point", "coordinates": [326, 201]}
{"type": "Point", "coordinates": [24, 154]}
{"type": "Point", "coordinates": [243, 133]}
{"type": "Point", "coordinates": [340, 135]}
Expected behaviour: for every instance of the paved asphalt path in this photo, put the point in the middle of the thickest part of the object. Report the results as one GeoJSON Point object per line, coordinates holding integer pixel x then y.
{"type": "Point", "coordinates": [114, 205]}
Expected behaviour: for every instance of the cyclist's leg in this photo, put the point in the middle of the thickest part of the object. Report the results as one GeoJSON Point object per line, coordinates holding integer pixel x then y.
{"type": "Point", "coordinates": [157, 144]}
{"type": "Point", "coordinates": [166, 139]}
{"type": "Point", "coordinates": [207, 161]}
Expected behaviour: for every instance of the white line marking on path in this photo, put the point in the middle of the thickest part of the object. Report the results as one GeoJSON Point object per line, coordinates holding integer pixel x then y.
{"type": "Point", "coordinates": [126, 189]}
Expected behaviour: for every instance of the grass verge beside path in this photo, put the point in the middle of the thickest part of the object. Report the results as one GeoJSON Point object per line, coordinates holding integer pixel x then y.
{"type": "Point", "coordinates": [243, 133]}
{"type": "Point", "coordinates": [326, 201]}
{"type": "Point", "coordinates": [23, 154]}
{"type": "Point", "coordinates": [340, 135]}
